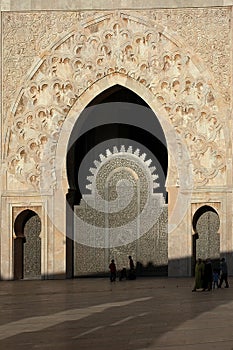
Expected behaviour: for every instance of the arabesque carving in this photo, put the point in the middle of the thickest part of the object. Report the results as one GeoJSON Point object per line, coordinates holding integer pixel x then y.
{"type": "Point", "coordinates": [100, 48]}
{"type": "Point", "coordinates": [197, 28]}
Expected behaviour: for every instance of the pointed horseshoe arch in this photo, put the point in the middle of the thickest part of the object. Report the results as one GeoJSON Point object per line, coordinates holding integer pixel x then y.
{"type": "Point", "coordinates": [27, 245]}
{"type": "Point", "coordinates": [83, 60]}
{"type": "Point", "coordinates": [206, 240]}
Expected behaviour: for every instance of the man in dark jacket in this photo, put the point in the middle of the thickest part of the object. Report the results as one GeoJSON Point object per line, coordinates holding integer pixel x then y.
{"type": "Point", "coordinates": [224, 273]}
{"type": "Point", "coordinates": [132, 274]}
{"type": "Point", "coordinates": [112, 268]}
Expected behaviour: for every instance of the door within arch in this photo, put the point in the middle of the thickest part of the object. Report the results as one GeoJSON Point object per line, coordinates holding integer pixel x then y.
{"type": "Point", "coordinates": [206, 240]}
{"type": "Point", "coordinates": [114, 118]}
{"type": "Point", "coordinates": [27, 246]}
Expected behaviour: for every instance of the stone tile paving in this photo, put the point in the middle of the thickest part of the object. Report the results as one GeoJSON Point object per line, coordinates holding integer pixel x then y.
{"type": "Point", "coordinates": [149, 313]}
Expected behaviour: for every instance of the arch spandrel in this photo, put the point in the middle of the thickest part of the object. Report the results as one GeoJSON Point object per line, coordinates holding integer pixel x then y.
{"type": "Point", "coordinates": [180, 88]}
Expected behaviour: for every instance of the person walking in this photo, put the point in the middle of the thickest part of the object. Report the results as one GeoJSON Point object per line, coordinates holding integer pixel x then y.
{"type": "Point", "coordinates": [223, 273]}
{"type": "Point", "coordinates": [199, 274]}
{"type": "Point", "coordinates": [112, 268]}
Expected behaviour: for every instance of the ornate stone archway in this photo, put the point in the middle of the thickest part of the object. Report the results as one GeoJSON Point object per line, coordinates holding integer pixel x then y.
{"type": "Point", "coordinates": [94, 55]}
{"type": "Point", "coordinates": [103, 47]}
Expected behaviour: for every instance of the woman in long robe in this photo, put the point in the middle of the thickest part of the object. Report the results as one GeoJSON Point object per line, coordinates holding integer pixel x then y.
{"type": "Point", "coordinates": [199, 274]}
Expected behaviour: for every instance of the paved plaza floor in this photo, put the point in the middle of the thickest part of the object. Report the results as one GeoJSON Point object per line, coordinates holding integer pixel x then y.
{"type": "Point", "coordinates": [148, 313]}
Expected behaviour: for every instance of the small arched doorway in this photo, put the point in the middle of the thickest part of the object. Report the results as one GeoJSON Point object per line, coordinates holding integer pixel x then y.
{"type": "Point", "coordinates": [27, 246]}
{"type": "Point", "coordinates": [206, 239]}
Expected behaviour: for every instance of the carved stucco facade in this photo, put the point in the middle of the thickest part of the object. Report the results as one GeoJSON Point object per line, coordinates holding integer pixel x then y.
{"type": "Point", "coordinates": [178, 60]}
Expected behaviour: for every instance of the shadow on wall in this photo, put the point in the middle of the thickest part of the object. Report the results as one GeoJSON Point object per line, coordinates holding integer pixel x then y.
{"type": "Point", "coordinates": [148, 270]}
{"type": "Point", "coordinates": [151, 269]}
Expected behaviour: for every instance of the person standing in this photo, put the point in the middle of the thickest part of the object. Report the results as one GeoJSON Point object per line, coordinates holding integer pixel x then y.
{"type": "Point", "coordinates": [132, 275]}
{"type": "Point", "coordinates": [199, 274]}
{"type": "Point", "coordinates": [215, 278]}
{"type": "Point", "coordinates": [224, 274]}
{"type": "Point", "coordinates": [112, 268]}
{"type": "Point", "coordinates": [131, 263]}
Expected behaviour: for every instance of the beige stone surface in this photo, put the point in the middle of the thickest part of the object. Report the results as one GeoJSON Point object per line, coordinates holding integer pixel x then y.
{"type": "Point", "coordinates": [19, 5]}
{"type": "Point", "coordinates": [55, 62]}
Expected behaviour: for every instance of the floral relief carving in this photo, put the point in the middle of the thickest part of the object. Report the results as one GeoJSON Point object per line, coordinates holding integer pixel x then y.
{"type": "Point", "coordinates": [26, 35]}
{"type": "Point", "coordinates": [91, 52]}
{"type": "Point", "coordinates": [197, 28]}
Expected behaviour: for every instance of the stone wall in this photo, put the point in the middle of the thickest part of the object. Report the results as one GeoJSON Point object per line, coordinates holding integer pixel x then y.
{"type": "Point", "coordinates": [55, 62]}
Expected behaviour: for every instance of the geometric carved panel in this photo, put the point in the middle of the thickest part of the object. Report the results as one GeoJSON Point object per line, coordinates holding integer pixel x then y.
{"type": "Point", "coordinates": [208, 243]}
{"type": "Point", "coordinates": [122, 215]}
{"type": "Point", "coordinates": [122, 205]}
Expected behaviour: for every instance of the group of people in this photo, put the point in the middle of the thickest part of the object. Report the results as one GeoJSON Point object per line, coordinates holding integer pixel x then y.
{"type": "Point", "coordinates": [123, 273]}
{"type": "Point", "coordinates": [207, 278]}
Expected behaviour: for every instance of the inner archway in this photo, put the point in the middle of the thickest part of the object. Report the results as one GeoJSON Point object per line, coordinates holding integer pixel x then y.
{"type": "Point", "coordinates": [27, 246]}
{"type": "Point", "coordinates": [206, 240]}
{"type": "Point", "coordinates": [114, 118]}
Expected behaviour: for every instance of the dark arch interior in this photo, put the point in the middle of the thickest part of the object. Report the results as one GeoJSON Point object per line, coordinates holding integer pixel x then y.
{"type": "Point", "coordinates": [117, 93]}
{"type": "Point", "coordinates": [115, 114]}
{"type": "Point", "coordinates": [120, 124]}
{"type": "Point", "coordinates": [21, 220]}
